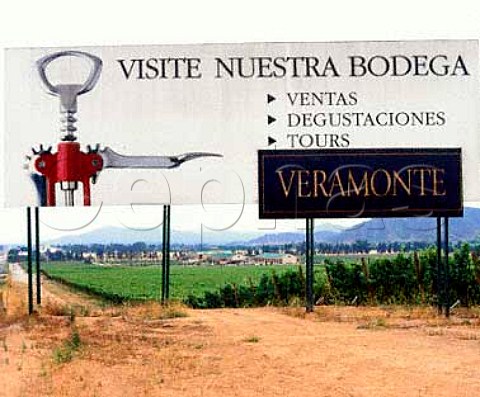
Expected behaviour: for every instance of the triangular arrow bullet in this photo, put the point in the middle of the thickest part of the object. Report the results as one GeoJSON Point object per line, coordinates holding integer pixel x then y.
{"type": "Point", "coordinates": [270, 98]}
{"type": "Point", "coordinates": [271, 119]}
{"type": "Point", "coordinates": [271, 141]}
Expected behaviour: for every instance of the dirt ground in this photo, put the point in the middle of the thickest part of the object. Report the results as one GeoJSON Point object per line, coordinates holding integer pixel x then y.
{"type": "Point", "coordinates": [76, 347]}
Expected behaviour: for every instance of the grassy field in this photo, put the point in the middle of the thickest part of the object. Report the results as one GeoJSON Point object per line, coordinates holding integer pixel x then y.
{"type": "Point", "coordinates": [144, 282]}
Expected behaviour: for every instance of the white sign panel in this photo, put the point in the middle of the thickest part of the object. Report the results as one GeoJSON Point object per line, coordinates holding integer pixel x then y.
{"type": "Point", "coordinates": [163, 115]}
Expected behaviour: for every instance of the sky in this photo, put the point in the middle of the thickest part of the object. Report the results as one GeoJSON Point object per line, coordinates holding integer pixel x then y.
{"type": "Point", "coordinates": [52, 23]}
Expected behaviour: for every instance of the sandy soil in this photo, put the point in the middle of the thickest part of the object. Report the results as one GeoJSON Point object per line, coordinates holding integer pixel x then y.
{"type": "Point", "coordinates": [140, 351]}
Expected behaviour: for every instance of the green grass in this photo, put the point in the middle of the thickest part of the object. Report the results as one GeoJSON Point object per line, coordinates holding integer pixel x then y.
{"type": "Point", "coordinates": [252, 339]}
{"type": "Point", "coordinates": [65, 352]}
{"type": "Point", "coordinates": [144, 282]}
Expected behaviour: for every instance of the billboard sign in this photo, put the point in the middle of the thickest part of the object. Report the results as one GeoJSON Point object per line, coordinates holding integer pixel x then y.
{"type": "Point", "coordinates": [182, 124]}
{"type": "Point", "coordinates": [360, 183]}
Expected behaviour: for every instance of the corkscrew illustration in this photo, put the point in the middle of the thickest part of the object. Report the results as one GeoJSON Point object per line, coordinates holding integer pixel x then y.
{"type": "Point", "coordinates": [70, 166]}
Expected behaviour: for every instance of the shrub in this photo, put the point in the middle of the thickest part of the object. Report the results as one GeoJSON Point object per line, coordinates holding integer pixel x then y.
{"type": "Point", "coordinates": [271, 289]}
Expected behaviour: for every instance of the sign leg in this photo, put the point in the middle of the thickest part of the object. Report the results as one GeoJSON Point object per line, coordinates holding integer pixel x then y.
{"type": "Point", "coordinates": [164, 256]}
{"type": "Point", "coordinates": [309, 253]}
{"type": "Point", "coordinates": [37, 255]}
{"type": "Point", "coordinates": [439, 266]}
{"type": "Point", "coordinates": [29, 260]}
{"type": "Point", "coordinates": [167, 254]}
{"type": "Point", "coordinates": [447, 272]}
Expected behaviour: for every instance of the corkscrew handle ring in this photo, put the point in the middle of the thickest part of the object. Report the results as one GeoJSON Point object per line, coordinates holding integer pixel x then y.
{"type": "Point", "coordinates": [93, 76]}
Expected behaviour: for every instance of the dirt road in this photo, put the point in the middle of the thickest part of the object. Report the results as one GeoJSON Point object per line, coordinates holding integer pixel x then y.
{"type": "Point", "coordinates": [17, 274]}
{"type": "Point", "coordinates": [245, 352]}
{"type": "Point", "coordinates": [303, 357]}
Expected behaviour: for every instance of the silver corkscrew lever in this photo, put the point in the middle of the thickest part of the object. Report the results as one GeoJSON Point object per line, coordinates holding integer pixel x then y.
{"type": "Point", "coordinates": [68, 92]}
{"type": "Point", "coordinates": [112, 159]}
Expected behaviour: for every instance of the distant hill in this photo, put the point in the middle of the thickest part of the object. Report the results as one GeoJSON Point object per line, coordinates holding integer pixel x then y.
{"type": "Point", "coordinates": [119, 235]}
{"type": "Point", "coordinates": [374, 230]}
{"type": "Point", "coordinates": [412, 229]}
{"type": "Point", "coordinates": [386, 230]}
{"type": "Point", "coordinates": [289, 237]}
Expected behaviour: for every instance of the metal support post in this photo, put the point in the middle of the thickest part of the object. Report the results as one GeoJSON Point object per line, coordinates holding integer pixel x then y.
{"type": "Point", "coordinates": [37, 255]}
{"type": "Point", "coordinates": [309, 254]}
{"type": "Point", "coordinates": [29, 260]}
{"type": "Point", "coordinates": [447, 273]}
{"type": "Point", "coordinates": [164, 260]}
{"type": "Point", "coordinates": [167, 257]}
{"type": "Point", "coordinates": [439, 266]}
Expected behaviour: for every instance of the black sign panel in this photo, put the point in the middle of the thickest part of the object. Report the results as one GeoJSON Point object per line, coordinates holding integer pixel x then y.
{"type": "Point", "coordinates": [363, 183]}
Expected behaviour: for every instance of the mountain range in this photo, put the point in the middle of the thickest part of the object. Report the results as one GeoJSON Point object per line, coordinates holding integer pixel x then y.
{"type": "Point", "coordinates": [123, 235]}
{"type": "Point", "coordinates": [373, 230]}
